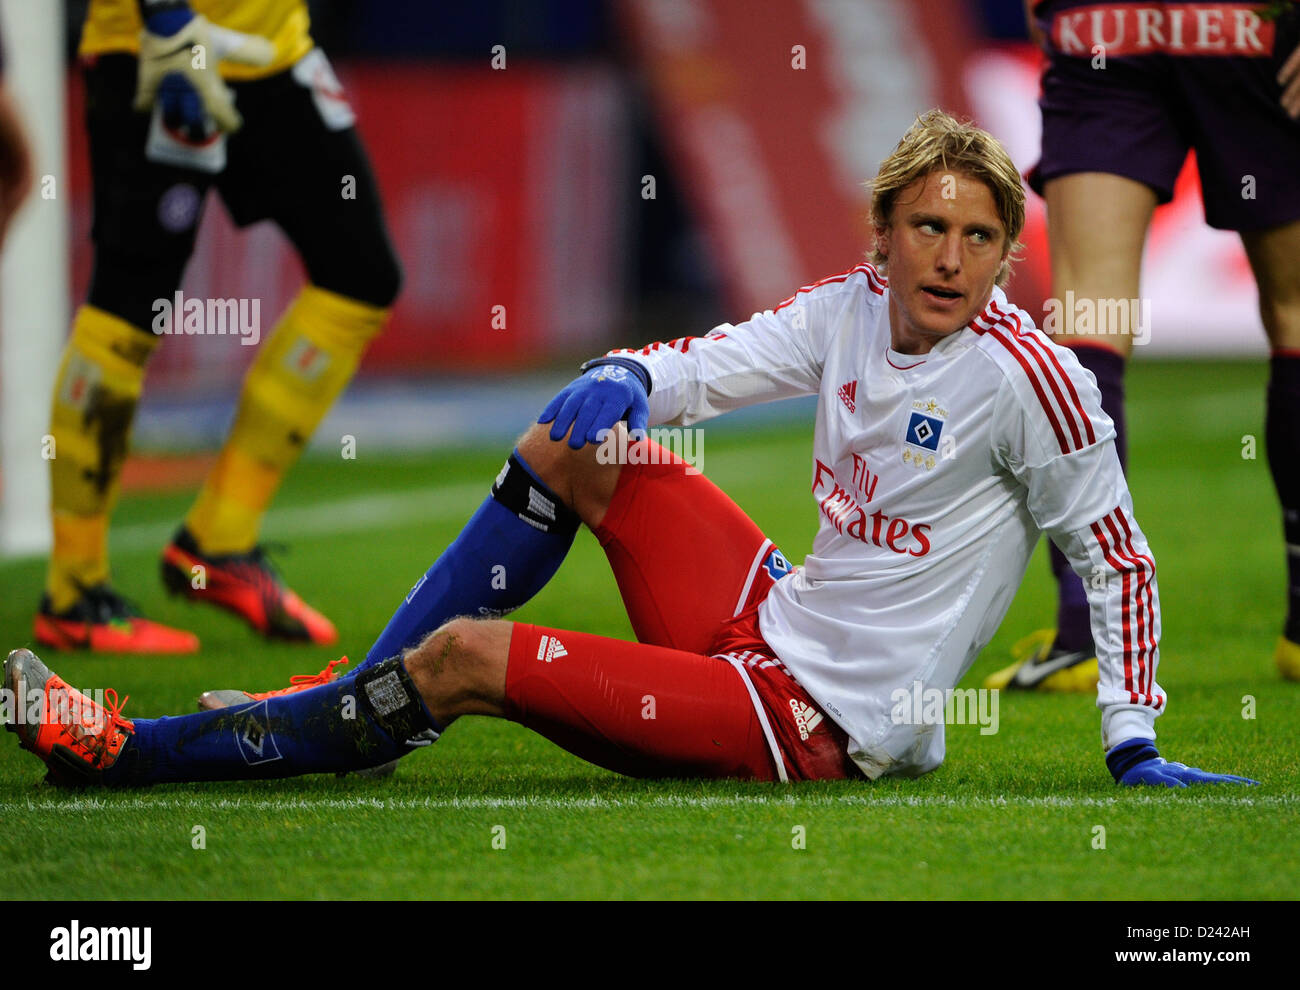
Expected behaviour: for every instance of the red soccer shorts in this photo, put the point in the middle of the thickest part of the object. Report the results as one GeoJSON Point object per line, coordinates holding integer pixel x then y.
{"type": "Point", "coordinates": [701, 694]}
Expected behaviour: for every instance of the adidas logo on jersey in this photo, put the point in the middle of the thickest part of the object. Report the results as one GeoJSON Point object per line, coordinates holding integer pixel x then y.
{"type": "Point", "coordinates": [550, 649]}
{"type": "Point", "coordinates": [806, 717]}
{"type": "Point", "coordinates": [848, 394]}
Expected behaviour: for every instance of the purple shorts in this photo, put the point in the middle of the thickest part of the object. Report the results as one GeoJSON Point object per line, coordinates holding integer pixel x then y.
{"type": "Point", "coordinates": [1176, 76]}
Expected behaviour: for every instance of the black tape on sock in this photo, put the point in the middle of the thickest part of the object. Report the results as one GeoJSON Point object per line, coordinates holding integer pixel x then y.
{"type": "Point", "coordinates": [532, 501]}
{"type": "Point", "coordinates": [392, 700]}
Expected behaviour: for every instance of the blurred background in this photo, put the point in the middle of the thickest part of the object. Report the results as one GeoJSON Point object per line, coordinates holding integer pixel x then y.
{"type": "Point", "coordinates": [638, 170]}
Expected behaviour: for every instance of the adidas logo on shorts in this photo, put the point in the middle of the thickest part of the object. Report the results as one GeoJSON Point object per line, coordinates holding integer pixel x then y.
{"type": "Point", "coordinates": [550, 649]}
{"type": "Point", "coordinates": [806, 717]}
{"type": "Point", "coordinates": [848, 394]}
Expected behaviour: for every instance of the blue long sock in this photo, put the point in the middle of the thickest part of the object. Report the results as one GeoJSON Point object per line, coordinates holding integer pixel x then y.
{"type": "Point", "coordinates": [506, 553]}
{"type": "Point", "coordinates": [355, 722]}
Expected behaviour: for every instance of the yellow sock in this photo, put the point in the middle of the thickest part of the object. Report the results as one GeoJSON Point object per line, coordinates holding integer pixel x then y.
{"type": "Point", "coordinates": [306, 362]}
{"type": "Point", "coordinates": [95, 396]}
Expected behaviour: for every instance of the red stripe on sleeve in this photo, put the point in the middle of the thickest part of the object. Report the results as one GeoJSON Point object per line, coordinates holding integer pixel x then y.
{"type": "Point", "coordinates": [1124, 611]}
{"type": "Point", "coordinates": [1069, 382]}
{"type": "Point", "coordinates": [1040, 347]}
{"type": "Point", "coordinates": [1014, 351]}
{"type": "Point", "coordinates": [1136, 570]}
{"type": "Point", "coordinates": [875, 282]}
{"type": "Point", "coordinates": [1149, 573]}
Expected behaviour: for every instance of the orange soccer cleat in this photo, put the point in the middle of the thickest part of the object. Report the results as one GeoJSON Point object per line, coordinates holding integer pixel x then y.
{"type": "Point", "coordinates": [245, 584]}
{"type": "Point", "coordinates": [102, 621]}
{"type": "Point", "coordinates": [77, 737]}
{"type": "Point", "coordinates": [227, 697]}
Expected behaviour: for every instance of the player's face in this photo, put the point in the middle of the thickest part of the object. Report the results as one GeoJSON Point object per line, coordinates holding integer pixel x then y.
{"type": "Point", "coordinates": [944, 245]}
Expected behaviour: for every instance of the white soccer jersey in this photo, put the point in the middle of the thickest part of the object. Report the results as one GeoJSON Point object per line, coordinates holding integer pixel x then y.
{"type": "Point", "coordinates": [933, 476]}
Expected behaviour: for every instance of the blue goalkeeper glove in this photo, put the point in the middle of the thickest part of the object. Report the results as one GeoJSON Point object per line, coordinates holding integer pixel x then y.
{"type": "Point", "coordinates": [610, 390]}
{"type": "Point", "coordinates": [1136, 762]}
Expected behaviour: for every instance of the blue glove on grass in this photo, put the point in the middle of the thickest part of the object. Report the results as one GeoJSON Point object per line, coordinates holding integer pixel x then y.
{"type": "Point", "coordinates": [1136, 762]}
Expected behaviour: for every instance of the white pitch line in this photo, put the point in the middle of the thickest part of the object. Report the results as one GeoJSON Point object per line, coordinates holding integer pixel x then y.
{"type": "Point", "coordinates": [81, 805]}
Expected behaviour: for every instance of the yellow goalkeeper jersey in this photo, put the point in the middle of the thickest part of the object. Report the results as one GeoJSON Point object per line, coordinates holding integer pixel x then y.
{"type": "Point", "coordinates": [114, 26]}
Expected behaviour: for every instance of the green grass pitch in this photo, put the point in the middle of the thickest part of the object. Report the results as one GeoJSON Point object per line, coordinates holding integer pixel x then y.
{"type": "Point", "coordinates": [1011, 815]}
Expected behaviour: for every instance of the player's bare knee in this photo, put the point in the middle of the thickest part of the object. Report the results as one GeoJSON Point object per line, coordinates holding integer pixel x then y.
{"type": "Point", "coordinates": [444, 651]}
{"type": "Point", "coordinates": [461, 661]}
{"type": "Point", "coordinates": [1281, 319]}
{"type": "Point", "coordinates": [579, 477]}
{"type": "Point", "coordinates": [550, 460]}
{"type": "Point", "coordinates": [1274, 256]}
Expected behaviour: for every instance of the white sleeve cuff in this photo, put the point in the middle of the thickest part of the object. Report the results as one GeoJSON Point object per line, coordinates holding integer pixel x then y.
{"type": "Point", "coordinates": [1120, 723]}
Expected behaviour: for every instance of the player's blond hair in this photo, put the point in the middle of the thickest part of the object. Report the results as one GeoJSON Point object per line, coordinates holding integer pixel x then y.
{"type": "Point", "coordinates": [937, 142]}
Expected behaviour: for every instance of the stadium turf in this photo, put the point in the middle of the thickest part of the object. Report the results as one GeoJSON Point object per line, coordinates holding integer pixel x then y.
{"type": "Point", "coordinates": [495, 811]}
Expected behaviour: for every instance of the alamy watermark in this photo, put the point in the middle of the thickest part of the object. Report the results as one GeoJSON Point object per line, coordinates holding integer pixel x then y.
{"type": "Point", "coordinates": [77, 943]}
{"type": "Point", "coordinates": [921, 705]}
{"type": "Point", "coordinates": [1086, 316]}
{"type": "Point", "coordinates": [666, 443]}
{"type": "Point", "coordinates": [60, 706]}
{"type": "Point", "coordinates": [201, 317]}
